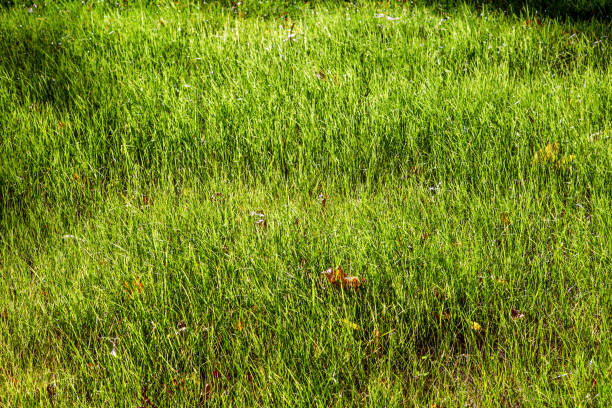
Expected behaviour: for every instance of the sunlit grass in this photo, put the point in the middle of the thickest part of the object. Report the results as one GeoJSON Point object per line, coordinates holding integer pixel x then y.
{"type": "Point", "coordinates": [175, 180]}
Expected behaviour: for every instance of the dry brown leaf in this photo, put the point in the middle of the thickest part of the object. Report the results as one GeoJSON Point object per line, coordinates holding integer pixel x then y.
{"type": "Point", "coordinates": [217, 197]}
{"type": "Point", "coordinates": [146, 401]}
{"type": "Point", "coordinates": [516, 315]}
{"type": "Point", "coordinates": [417, 170]}
{"type": "Point", "coordinates": [534, 22]}
{"type": "Point", "coordinates": [442, 316]}
{"type": "Point", "coordinates": [146, 201]}
{"type": "Point", "coordinates": [51, 391]}
{"type": "Point", "coordinates": [181, 326]}
{"type": "Point", "coordinates": [322, 199]}
{"type": "Point", "coordinates": [337, 277]}
{"type": "Point", "coordinates": [438, 293]}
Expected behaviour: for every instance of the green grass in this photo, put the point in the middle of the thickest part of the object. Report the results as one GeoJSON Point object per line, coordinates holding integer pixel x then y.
{"type": "Point", "coordinates": [458, 159]}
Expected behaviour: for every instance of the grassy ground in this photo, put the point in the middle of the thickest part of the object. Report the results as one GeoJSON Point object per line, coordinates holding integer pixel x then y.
{"type": "Point", "coordinates": [174, 180]}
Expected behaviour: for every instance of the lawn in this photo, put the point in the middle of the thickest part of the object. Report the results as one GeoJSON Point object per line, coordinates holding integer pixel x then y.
{"type": "Point", "coordinates": [176, 179]}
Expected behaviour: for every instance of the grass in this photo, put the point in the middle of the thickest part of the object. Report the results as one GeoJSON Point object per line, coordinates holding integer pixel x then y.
{"type": "Point", "coordinates": [174, 180]}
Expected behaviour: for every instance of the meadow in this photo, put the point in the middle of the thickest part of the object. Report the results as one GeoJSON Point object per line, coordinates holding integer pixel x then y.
{"type": "Point", "coordinates": [314, 204]}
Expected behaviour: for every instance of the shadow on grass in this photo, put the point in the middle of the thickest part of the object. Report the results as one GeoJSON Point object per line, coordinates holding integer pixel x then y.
{"type": "Point", "coordinates": [563, 9]}
{"type": "Point", "coordinates": [560, 9]}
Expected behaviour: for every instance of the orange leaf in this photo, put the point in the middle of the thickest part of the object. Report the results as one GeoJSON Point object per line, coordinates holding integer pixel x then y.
{"type": "Point", "coordinates": [133, 288]}
{"type": "Point", "coordinates": [179, 383]}
{"type": "Point", "coordinates": [336, 276]}
{"type": "Point", "coordinates": [534, 22]}
{"type": "Point", "coordinates": [353, 281]}
{"type": "Point", "coordinates": [238, 326]}
{"type": "Point", "coordinates": [138, 285]}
